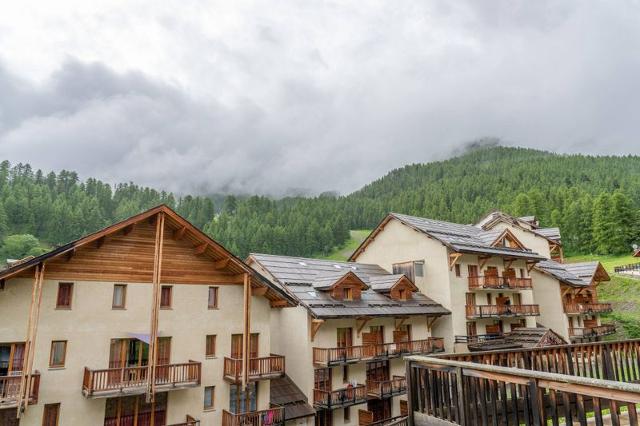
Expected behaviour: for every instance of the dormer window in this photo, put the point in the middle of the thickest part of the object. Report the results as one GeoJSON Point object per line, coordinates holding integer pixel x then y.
{"type": "Point", "coordinates": [348, 294]}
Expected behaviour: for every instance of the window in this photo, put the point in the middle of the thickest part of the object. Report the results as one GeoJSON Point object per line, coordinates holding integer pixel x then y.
{"type": "Point", "coordinates": [209, 397]}
{"type": "Point", "coordinates": [457, 270]}
{"type": "Point", "coordinates": [241, 401]}
{"type": "Point", "coordinates": [345, 373]}
{"type": "Point", "coordinates": [402, 294]}
{"type": "Point", "coordinates": [65, 290]}
{"type": "Point", "coordinates": [211, 346]}
{"type": "Point", "coordinates": [347, 415]}
{"type": "Point", "coordinates": [419, 269]}
{"type": "Point", "coordinates": [410, 269]}
{"type": "Point", "coordinates": [165, 296]}
{"type": "Point", "coordinates": [345, 337]}
{"type": "Point", "coordinates": [119, 296]}
{"type": "Point", "coordinates": [58, 353]}
{"type": "Point", "coordinates": [348, 294]}
{"type": "Point", "coordinates": [51, 415]}
{"type": "Point", "coordinates": [213, 297]}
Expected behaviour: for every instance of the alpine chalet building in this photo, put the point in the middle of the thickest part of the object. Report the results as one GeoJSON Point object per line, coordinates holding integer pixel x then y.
{"type": "Point", "coordinates": [146, 322]}
{"type": "Point", "coordinates": [345, 339]}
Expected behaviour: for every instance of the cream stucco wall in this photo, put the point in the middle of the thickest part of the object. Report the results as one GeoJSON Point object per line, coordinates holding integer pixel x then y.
{"type": "Point", "coordinates": [548, 295]}
{"type": "Point", "coordinates": [91, 324]}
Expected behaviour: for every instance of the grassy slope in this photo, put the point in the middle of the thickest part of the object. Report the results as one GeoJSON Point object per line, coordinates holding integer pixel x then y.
{"type": "Point", "coordinates": [622, 292]}
{"type": "Point", "coordinates": [343, 253]}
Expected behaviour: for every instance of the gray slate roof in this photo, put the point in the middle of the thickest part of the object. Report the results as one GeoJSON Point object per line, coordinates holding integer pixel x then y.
{"type": "Point", "coordinates": [550, 233]}
{"type": "Point", "coordinates": [574, 274]}
{"type": "Point", "coordinates": [384, 283]}
{"type": "Point", "coordinates": [297, 276]}
{"type": "Point", "coordinates": [464, 238]}
{"type": "Point", "coordinates": [285, 393]}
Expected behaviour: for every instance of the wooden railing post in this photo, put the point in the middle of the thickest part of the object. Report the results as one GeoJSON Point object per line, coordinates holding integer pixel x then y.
{"type": "Point", "coordinates": [411, 394]}
{"type": "Point", "coordinates": [462, 399]}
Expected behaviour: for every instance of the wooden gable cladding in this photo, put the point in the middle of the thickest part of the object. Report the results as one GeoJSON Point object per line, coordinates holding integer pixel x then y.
{"type": "Point", "coordinates": [403, 289]}
{"type": "Point", "coordinates": [128, 257]}
{"type": "Point", "coordinates": [349, 284]}
{"type": "Point", "coordinates": [508, 239]}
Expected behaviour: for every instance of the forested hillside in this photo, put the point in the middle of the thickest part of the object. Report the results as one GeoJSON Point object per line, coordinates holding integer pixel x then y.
{"type": "Point", "coordinates": [594, 200]}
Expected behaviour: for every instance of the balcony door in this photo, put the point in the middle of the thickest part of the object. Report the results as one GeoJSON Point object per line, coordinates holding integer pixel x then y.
{"type": "Point", "coordinates": [381, 408]}
{"type": "Point", "coordinates": [243, 401]}
{"type": "Point", "coordinates": [491, 276]}
{"type": "Point", "coordinates": [236, 345]}
{"type": "Point", "coordinates": [133, 410]}
{"type": "Point", "coordinates": [509, 275]}
{"type": "Point", "coordinates": [11, 358]}
{"type": "Point", "coordinates": [378, 371]}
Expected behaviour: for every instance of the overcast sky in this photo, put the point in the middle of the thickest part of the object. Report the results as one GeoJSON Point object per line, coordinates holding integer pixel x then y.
{"type": "Point", "coordinates": [267, 97]}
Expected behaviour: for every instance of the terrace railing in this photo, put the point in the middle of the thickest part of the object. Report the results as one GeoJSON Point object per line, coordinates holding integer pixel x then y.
{"type": "Point", "coordinates": [496, 311]}
{"type": "Point", "coordinates": [262, 368]}
{"type": "Point", "coordinates": [627, 268]}
{"type": "Point", "coordinates": [350, 354]}
{"type": "Point", "coordinates": [489, 282]}
{"type": "Point", "coordinates": [587, 308]}
{"type": "Point", "coordinates": [10, 389]}
{"type": "Point", "coordinates": [468, 393]}
{"type": "Point", "coordinates": [339, 398]}
{"type": "Point", "coordinates": [270, 417]}
{"type": "Point", "coordinates": [590, 332]}
{"type": "Point", "coordinates": [133, 380]}
{"type": "Point", "coordinates": [387, 388]}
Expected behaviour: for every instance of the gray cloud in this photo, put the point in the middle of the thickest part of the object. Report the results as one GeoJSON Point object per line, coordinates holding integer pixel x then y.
{"type": "Point", "coordinates": [323, 96]}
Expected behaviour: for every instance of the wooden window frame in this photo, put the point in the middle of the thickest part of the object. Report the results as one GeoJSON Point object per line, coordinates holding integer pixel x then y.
{"type": "Point", "coordinates": [170, 290]}
{"type": "Point", "coordinates": [207, 354]}
{"type": "Point", "coordinates": [347, 294]}
{"type": "Point", "coordinates": [64, 354]}
{"type": "Point", "coordinates": [216, 292]}
{"type": "Point", "coordinates": [44, 413]}
{"type": "Point", "coordinates": [212, 406]}
{"type": "Point", "coordinates": [124, 296]}
{"type": "Point", "coordinates": [65, 307]}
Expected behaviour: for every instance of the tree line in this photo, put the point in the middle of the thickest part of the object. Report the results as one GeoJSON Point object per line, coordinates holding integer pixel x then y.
{"type": "Point", "coordinates": [594, 200]}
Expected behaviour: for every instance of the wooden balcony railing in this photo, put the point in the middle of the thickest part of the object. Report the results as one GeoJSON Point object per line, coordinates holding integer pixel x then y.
{"type": "Point", "coordinates": [190, 421]}
{"type": "Point", "coordinates": [270, 417]}
{"type": "Point", "coordinates": [478, 338]}
{"type": "Point", "coordinates": [467, 393]}
{"type": "Point", "coordinates": [633, 267]}
{"type": "Point", "coordinates": [344, 397]}
{"type": "Point", "coordinates": [588, 332]}
{"type": "Point", "coordinates": [511, 283]}
{"type": "Point", "coordinates": [269, 367]}
{"type": "Point", "coordinates": [587, 308]}
{"type": "Point", "coordinates": [493, 311]}
{"type": "Point", "coordinates": [10, 389]}
{"type": "Point", "coordinates": [392, 421]}
{"type": "Point", "coordinates": [387, 388]}
{"type": "Point", "coordinates": [133, 380]}
{"type": "Point", "coordinates": [351, 354]}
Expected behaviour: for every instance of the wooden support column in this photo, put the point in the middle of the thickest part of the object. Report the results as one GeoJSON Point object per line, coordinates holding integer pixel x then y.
{"type": "Point", "coordinates": [155, 308]}
{"type": "Point", "coordinates": [246, 335]}
{"type": "Point", "coordinates": [32, 332]}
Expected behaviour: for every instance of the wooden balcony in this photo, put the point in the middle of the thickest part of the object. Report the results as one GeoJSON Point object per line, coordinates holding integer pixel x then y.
{"type": "Point", "coordinates": [499, 283]}
{"type": "Point", "coordinates": [587, 308]}
{"type": "Point", "coordinates": [269, 367]}
{"type": "Point", "coordinates": [112, 382]}
{"type": "Point", "coordinates": [498, 311]}
{"type": "Point", "coordinates": [591, 332]}
{"type": "Point", "coordinates": [387, 388]}
{"type": "Point", "coordinates": [190, 421]}
{"type": "Point", "coordinates": [270, 417]}
{"type": "Point", "coordinates": [478, 338]}
{"type": "Point", "coordinates": [352, 354]}
{"type": "Point", "coordinates": [345, 397]}
{"type": "Point", "coordinates": [10, 389]}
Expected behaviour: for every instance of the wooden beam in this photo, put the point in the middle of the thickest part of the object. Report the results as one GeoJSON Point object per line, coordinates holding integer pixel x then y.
{"type": "Point", "coordinates": [530, 266]}
{"type": "Point", "coordinates": [178, 234]}
{"type": "Point", "coordinates": [221, 264]}
{"type": "Point", "coordinates": [361, 322]}
{"type": "Point", "coordinates": [482, 260]}
{"type": "Point", "coordinates": [201, 248]}
{"type": "Point", "coordinates": [430, 322]}
{"type": "Point", "coordinates": [246, 335]}
{"type": "Point", "coordinates": [315, 326]}
{"type": "Point", "coordinates": [70, 254]}
{"type": "Point", "coordinates": [399, 322]}
{"type": "Point", "coordinates": [100, 241]}
{"type": "Point", "coordinates": [127, 229]}
{"type": "Point", "coordinates": [279, 304]}
{"type": "Point", "coordinates": [259, 291]}
{"type": "Point", "coordinates": [155, 308]}
{"type": "Point", "coordinates": [453, 259]}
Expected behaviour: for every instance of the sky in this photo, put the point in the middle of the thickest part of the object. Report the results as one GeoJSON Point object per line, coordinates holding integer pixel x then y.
{"type": "Point", "coordinates": [280, 97]}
